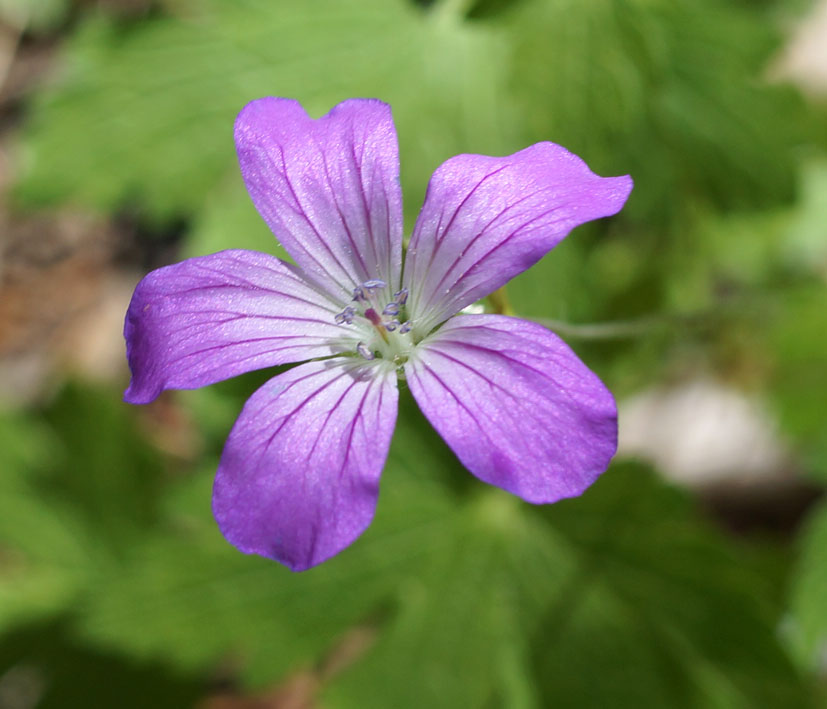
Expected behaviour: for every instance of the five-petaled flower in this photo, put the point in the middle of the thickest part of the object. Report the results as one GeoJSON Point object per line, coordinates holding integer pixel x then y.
{"type": "Point", "coordinates": [299, 476]}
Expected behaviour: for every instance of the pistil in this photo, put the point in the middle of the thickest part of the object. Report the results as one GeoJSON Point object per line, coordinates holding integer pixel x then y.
{"type": "Point", "coordinates": [377, 322]}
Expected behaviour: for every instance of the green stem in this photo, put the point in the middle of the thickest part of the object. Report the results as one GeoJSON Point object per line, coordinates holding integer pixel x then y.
{"type": "Point", "coordinates": [451, 11]}
{"type": "Point", "coordinates": [616, 330]}
{"type": "Point", "coordinates": [499, 301]}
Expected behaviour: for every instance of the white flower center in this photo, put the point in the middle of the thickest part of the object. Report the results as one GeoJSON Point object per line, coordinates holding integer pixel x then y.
{"type": "Point", "coordinates": [385, 326]}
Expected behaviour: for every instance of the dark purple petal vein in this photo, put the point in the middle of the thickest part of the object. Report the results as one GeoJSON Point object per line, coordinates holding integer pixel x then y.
{"type": "Point", "coordinates": [213, 317]}
{"type": "Point", "coordinates": [327, 188]}
{"type": "Point", "coordinates": [299, 476]}
{"type": "Point", "coordinates": [487, 219]}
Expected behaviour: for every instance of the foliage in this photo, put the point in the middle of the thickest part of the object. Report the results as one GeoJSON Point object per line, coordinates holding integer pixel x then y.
{"type": "Point", "coordinates": [451, 579]}
{"type": "Point", "coordinates": [458, 595]}
{"type": "Point", "coordinates": [807, 627]}
{"type": "Point", "coordinates": [33, 15]}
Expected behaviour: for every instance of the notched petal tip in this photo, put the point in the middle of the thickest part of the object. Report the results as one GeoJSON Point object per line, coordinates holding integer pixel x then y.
{"type": "Point", "coordinates": [328, 187]}
{"type": "Point", "coordinates": [249, 119]}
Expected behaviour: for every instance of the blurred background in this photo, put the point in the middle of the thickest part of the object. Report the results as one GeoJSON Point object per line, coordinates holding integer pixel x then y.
{"type": "Point", "coordinates": [692, 574]}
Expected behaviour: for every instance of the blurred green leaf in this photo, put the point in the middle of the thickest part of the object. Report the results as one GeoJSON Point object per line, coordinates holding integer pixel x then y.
{"type": "Point", "coordinates": [42, 543]}
{"type": "Point", "coordinates": [188, 597]}
{"type": "Point", "coordinates": [106, 471]}
{"type": "Point", "coordinates": [453, 577]}
{"type": "Point", "coordinates": [43, 666]}
{"type": "Point", "coordinates": [807, 627]}
{"type": "Point", "coordinates": [144, 114]}
{"type": "Point", "coordinates": [795, 338]}
{"type": "Point", "coordinates": [78, 487]}
{"type": "Point", "coordinates": [662, 611]}
{"type": "Point", "coordinates": [461, 632]}
{"type": "Point", "coordinates": [231, 221]}
{"type": "Point", "coordinates": [807, 242]}
{"type": "Point", "coordinates": [667, 91]}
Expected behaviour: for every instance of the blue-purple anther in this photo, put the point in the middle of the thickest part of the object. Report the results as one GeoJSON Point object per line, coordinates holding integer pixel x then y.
{"type": "Point", "coordinates": [363, 350]}
{"type": "Point", "coordinates": [346, 316]}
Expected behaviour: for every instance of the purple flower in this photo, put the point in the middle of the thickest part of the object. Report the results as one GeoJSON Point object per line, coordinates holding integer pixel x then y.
{"type": "Point", "coordinates": [299, 477]}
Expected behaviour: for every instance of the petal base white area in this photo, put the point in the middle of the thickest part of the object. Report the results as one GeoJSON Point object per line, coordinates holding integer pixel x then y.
{"type": "Point", "coordinates": [299, 477]}
{"type": "Point", "coordinates": [516, 405]}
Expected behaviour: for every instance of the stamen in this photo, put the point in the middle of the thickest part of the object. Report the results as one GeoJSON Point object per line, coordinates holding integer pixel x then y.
{"type": "Point", "coordinates": [346, 316]}
{"type": "Point", "coordinates": [391, 325]}
{"type": "Point", "coordinates": [406, 327]}
{"type": "Point", "coordinates": [362, 349]}
{"type": "Point", "coordinates": [361, 293]}
{"type": "Point", "coordinates": [391, 309]}
{"type": "Point", "coordinates": [401, 296]}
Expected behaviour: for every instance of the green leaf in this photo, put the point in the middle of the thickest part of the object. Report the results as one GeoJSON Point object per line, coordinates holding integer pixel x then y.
{"type": "Point", "coordinates": [807, 242]}
{"type": "Point", "coordinates": [78, 487]}
{"type": "Point", "coordinates": [474, 597]}
{"type": "Point", "coordinates": [807, 628]}
{"type": "Point", "coordinates": [106, 471]}
{"type": "Point", "coordinates": [231, 221]}
{"type": "Point", "coordinates": [795, 339]}
{"type": "Point", "coordinates": [186, 596]}
{"type": "Point", "coordinates": [663, 612]}
{"type": "Point", "coordinates": [667, 91]}
{"type": "Point", "coordinates": [460, 635]}
{"type": "Point", "coordinates": [42, 543]}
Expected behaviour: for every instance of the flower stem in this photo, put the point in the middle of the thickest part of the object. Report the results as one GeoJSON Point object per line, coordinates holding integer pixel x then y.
{"type": "Point", "coordinates": [451, 10]}
{"type": "Point", "coordinates": [499, 301]}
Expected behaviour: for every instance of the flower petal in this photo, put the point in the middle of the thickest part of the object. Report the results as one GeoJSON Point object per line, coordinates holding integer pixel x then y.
{"type": "Point", "coordinates": [486, 219]}
{"type": "Point", "coordinates": [516, 405]}
{"type": "Point", "coordinates": [213, 317]}
{"type": "Point", "coordinates": [327, 188]}
{"type": "Point", "coordinates": [299, 476]}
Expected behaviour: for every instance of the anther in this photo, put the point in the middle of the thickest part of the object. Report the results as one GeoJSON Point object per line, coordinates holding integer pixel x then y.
{"type": "Point", "coordinates": [362, 349]}
{"type": "Point", "coordinates": [374, 283]}
{"type": "Point", "coordinates": [391, 309]}
{"type": "Point", "coordinates": [346, 316]}
{"type": "Point", "coordinates": [401, 296]}
{"type": "Point", "coordinates": [392, 325]}
{"type": "Point", "coordinates": [406, 327]}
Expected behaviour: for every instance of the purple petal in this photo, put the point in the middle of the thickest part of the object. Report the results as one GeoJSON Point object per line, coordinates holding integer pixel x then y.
{"type": "Point", "coordinates": [299, 476]}
{"type": "Point", "coordinates": [516, 405]}
{"type": "Point", "coordinates": [213, 317]}
{"type": "Point", "coordinates": [487, 219]}
{"type": "Point", "coordinates": [328, 188]}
